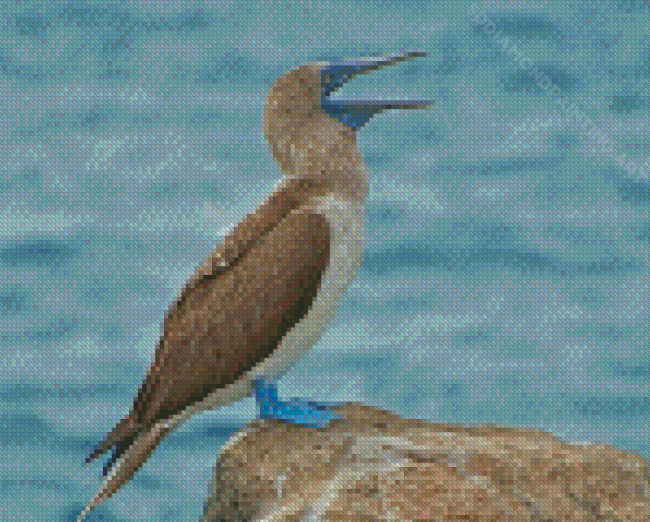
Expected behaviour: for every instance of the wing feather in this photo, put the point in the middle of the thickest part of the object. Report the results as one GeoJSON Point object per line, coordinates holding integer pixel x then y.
{"type": "Point", "coordinates": [235, 246]}
{"type": "Point", "coordinates": [230, 318]}
{"type": "Point", "coordinates": [231, 322]}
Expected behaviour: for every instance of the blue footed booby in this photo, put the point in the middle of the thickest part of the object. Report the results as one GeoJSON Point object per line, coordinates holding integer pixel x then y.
{"type": "Point", "coordinates": [264, 296]}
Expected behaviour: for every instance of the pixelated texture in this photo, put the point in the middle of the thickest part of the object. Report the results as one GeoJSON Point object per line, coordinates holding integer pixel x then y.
{"type": "Point", "coordinates": [374, 465]}
{"type": "Point", "coordinates": [504, 276]}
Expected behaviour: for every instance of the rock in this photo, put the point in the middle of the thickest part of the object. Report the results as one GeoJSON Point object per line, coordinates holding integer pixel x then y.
{"type": "Point", "coordinates": [374, 465]}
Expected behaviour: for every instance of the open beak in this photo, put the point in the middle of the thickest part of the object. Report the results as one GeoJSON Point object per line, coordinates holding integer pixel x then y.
{"type": "Point", "coordinates": [356, 113]}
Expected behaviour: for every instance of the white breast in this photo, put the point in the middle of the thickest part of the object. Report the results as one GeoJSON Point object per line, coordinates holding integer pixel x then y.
{"type": "Point", "coordinates": [347, 224]}
{"type": "Point", "coordinates": [346, 221]}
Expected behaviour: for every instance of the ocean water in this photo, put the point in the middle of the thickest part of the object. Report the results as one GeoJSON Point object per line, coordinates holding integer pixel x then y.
{"type": "Point", "coordinates": [506, 276]}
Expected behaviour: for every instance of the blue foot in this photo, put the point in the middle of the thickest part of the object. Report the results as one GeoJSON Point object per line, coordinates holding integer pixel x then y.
{"type": "Point", "coordinates": [294, 411]}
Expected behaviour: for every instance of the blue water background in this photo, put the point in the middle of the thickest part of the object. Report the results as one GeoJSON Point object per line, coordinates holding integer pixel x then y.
{"type": "Point", "coordinates": [506, 273]}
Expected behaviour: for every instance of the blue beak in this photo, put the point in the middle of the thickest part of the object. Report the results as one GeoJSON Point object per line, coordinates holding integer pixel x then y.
{"type": "Point", "coordinates": [355, 114]}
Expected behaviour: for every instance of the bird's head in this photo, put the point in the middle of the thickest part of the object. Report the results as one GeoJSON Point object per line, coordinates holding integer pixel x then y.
{"type": "Point", "coordinates": [305, 128]}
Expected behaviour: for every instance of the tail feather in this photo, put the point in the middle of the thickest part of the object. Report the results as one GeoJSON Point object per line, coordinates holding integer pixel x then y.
{"type": "Point", "coordinates": [118, 450]}
{"type": "Point", "coordinates": [122, 435]}
{"type": "Point", "coordinates": [100, 449]}
{"type": "Point", "coordinates": [128, 459]}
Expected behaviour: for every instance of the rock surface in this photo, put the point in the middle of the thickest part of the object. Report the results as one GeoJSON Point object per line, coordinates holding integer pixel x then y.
{"type": "Point", "coordinates": [374, 465]}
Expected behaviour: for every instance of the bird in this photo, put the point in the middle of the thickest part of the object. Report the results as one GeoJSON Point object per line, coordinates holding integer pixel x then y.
{"type": "Point", "coordinates": [263, 297]}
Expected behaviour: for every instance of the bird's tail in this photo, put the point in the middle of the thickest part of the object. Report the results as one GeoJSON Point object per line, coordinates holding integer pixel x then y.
{"type": "Point", "coordinates": [126, 430]}
{"type": "Point", "coordinates": [130, 455]}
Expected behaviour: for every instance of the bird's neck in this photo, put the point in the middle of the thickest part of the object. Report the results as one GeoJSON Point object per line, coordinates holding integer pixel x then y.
{"type": "Point", "coordinates": [328, 164]}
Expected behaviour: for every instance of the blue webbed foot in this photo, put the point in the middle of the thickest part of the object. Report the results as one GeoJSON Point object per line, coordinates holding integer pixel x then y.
{"type": "Point", "coordinates": [294, 411]}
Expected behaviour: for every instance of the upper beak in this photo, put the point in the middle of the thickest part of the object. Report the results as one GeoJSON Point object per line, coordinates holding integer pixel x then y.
{"type": "Point", "coordinates": [355, 113]}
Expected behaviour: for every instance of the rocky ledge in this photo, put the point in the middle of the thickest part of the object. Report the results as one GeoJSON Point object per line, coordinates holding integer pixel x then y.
{"type": "Point", "coordinates": [374, 465]}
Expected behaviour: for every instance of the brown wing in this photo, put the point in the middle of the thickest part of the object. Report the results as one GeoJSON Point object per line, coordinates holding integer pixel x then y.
{"type": "Point", "coordinates": [229, 323]}
{"type": "Point", "coordinates": [283, 200]}
{"type": "Point", "coordinates": [234, 251]}
{"type": "Point", "coordinates": [236, 244]}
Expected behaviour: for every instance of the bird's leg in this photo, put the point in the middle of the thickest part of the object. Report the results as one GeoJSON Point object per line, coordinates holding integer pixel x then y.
{"type": "Point", "coordinates": [294, 411]}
